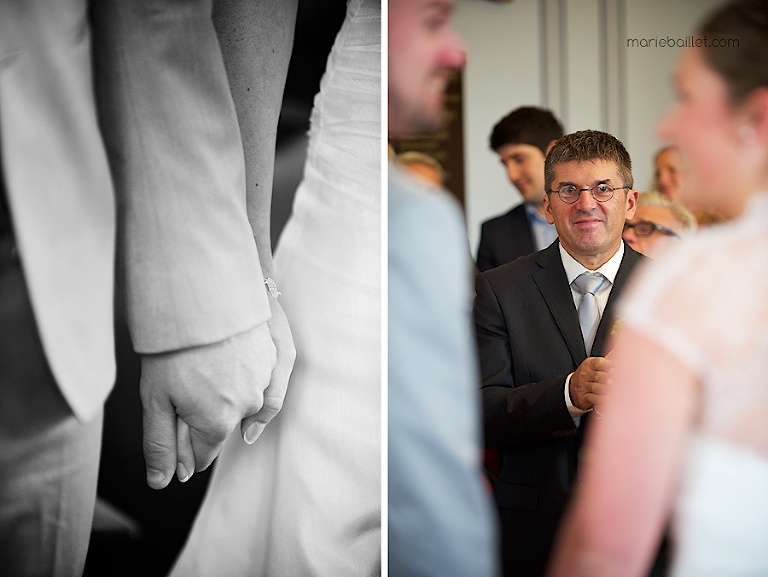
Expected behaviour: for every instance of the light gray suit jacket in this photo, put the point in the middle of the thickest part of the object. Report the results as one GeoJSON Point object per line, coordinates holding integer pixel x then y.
{"type": "Point", "coordinates": [187, 259]}
{"type": "Point", "coordinates": [186, 252]}
{"type": "Point", "coordinates": [439, 511]}
{"type": "Point", "coordinates": [59, 191]}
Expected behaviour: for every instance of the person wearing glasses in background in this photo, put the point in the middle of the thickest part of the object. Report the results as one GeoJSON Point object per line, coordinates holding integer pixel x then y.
{"type": "Point", "coordinates": [658, 222]}
{"type": "Point", "coordinates": [541, 371]}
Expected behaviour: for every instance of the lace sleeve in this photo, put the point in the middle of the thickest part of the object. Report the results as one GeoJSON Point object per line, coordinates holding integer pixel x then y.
{"type": "Point", "coordinates": [705, 302]}
{"type": "Point", "coordinates": [664, 303]}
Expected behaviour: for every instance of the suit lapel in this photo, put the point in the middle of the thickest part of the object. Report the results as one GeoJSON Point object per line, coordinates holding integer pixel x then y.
{"type": "Point", "coordinates": [553, 285]}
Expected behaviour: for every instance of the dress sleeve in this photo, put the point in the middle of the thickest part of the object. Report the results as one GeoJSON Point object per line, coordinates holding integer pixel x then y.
{"type": "Point", "coordinates": [664, 302]}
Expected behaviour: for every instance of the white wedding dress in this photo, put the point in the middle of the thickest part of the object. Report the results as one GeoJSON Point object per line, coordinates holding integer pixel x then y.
{"type": "Point", "coordinates": [707, 304]}
{"type": "Point", "coordinates": [305, 499]}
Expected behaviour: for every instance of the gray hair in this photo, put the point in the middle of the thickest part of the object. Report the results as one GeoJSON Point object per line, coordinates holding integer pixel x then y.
{"type": "Point", "coordinates": [682, 214]}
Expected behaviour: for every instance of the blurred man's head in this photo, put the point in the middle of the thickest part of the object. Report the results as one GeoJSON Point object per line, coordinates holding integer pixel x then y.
{"type": "Point", "coordinates": [423, 52]}
{"type": "Point", "coordinates": [657, 223]}
{"type": "Point", "coordinates": [423, 166]}
{"type": "Point", "coordinates": [521, 140]}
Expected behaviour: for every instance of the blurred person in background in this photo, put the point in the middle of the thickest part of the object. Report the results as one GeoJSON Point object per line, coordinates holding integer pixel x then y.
{"type": "Point", "coordinates": [424, 166]}
{"type": "Point", "coordinates": [440, 520]}
{"type": "Point", "coordinates": [669, 180]}
{"type": "Point", "coordinates": [521, 140]}
{"type": "Point", "coordinates": [658, 222]}
{"type": "Point", "coordinates": [668, 173]}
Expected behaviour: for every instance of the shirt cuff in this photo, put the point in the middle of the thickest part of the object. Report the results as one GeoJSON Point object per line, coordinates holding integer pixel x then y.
{"type": "Point", "coordinates": [574, 411]}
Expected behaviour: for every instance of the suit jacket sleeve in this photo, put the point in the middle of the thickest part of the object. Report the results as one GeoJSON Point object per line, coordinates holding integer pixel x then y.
{"type": "Point", "coordinates": [187, 258]}
{"type": "Point", "coordinates": [439, 515]}
{"type": "Point", "coordinates": [515, 413]}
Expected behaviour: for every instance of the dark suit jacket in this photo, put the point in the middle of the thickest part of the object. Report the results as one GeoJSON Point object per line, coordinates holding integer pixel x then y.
{"type": "Point", "coordinates": [529, 341]}
{"type": "Point", "coordinates": [504, 238]}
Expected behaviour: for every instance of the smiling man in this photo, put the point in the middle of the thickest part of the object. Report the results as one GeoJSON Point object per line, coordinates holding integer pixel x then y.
{"type": "Point", "coordinates": [521, 140]}
{"type": "Point", "coordinates": [542, 325]}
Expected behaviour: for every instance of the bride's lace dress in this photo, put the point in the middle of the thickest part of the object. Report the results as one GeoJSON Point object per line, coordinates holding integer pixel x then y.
{"type": "Point", "coordinates": [707, 303]}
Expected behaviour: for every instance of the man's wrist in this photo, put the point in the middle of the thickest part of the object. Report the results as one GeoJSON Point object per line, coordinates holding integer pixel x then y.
{"type": "Point", "coordinates": [572, 409]}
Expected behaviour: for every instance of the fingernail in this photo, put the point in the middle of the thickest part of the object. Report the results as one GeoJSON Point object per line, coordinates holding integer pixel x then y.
{"type": "Point", "coordinates": [181, 473]}
{"type": "Point", "coordinates": [251, 433]}
{"type": "Point", "coordinates": [155, 478]}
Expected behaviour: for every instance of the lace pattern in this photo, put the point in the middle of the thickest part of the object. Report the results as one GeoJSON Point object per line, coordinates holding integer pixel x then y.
{"type": "Point", "coordinates": [706, 302]}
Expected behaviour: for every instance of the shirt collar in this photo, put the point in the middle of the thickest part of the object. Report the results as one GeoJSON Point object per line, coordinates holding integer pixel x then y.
{"type": "Point", "coordinates": [573, 268]}
{"type": "Point", "coordinates": [533, 214]}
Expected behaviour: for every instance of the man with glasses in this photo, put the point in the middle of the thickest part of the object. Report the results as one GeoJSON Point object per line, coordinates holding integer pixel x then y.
{"type": "Point", "coordinates": [542, 324]}
{"type": "Point", "coordinates": [658, 222]}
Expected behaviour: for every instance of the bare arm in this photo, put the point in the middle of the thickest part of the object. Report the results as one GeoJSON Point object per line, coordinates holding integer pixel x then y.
{"type": "Point", "coordinates": [256, 41]}
{"type": "Point", "coordinates": [632, 465]}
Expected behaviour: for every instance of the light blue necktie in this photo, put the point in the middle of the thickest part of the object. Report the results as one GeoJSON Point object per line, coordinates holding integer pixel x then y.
{"type": "Point", "coordinates": [587, 284]}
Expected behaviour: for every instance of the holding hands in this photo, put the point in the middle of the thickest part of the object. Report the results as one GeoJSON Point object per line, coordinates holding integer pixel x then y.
{"type": "Point", "coordinates": [194, 398]}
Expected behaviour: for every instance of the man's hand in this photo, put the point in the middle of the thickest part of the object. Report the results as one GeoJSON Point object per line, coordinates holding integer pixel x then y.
{"type": "Point", "coordinates": [589, 383]}
{"type": "Point", "coordinates": [252, 426]}
{"type": "Point", "coordinates": [210, 388]}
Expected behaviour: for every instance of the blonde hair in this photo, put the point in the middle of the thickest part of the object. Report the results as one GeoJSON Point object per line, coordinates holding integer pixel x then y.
{"type": "Point", "coordinates": [682, 214]}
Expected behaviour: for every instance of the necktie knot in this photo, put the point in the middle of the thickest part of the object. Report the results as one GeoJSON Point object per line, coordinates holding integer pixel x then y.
{"type": "Point", "coordinates": [588, 283]}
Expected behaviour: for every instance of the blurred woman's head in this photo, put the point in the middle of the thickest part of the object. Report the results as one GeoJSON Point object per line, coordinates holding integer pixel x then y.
{"type": "Point", "coordinates": [720, 120]}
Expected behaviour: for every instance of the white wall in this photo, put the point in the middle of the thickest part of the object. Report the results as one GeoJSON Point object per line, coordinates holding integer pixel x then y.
{"type": "Point", "coordinates": [570, 56]}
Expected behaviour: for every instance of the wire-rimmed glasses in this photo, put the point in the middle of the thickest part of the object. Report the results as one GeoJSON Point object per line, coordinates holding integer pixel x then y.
{"type": "Point", "coordinates": [602, 192]}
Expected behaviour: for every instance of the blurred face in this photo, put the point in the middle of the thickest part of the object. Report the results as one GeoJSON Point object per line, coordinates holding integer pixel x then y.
{"type": "Point", "coordinates": [423, 52]}
{"type": "Point", "coordinates": [703, 125]}
{"type": "Point", "coordinates": [658, 239]}
{"type": "Point", "coordinates": [525, 169]}
{"type": "Point", "coordinates": [590, 230]}
{"type": "Point", "coordinates": [669, 166]}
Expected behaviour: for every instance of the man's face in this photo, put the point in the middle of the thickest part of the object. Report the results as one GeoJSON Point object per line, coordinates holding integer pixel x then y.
{"type": "Point", "coordinates": [661, 215]}
{"type": "Point", "coordinates": [525, 169]}
{"type": "Point", "coordinates": [669, 169]}
{"type": "Point", "coordinates": [423, 52]}
{"type": "Point", "coordinates": [590, 230]}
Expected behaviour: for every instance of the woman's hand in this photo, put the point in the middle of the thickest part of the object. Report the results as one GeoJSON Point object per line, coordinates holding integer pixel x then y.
{"type": "Point", "coordinates": [252, 426]}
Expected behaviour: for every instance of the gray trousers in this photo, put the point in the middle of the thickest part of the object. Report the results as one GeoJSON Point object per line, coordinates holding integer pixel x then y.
{"type": "Point", "coordinates": [48, 460]}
